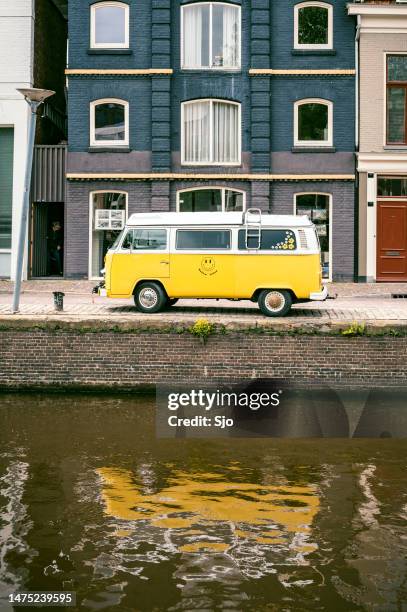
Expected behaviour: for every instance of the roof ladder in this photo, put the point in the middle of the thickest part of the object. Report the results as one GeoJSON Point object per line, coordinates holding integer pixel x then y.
{"type": "Point", "coordinates": [252, 221]}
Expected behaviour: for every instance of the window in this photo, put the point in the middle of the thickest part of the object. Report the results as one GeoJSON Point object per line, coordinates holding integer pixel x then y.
{"type": "Point", "coordinates": [313, 26]}
{"type": "Point", "coordinates": [109, 25]}
{"type": "Point", "coordinates": [210, 36]}
{"type": "Point", "coordinates": [146, 239]}
{"type": "Point", "coordinates": [210, 200]}
{"type": "Point", "coordinates": [109, 123]}
{"type": "Point", "coordinates": [271, 240]}
{"type": "Point", "coordinates": [108, 210]}
{"type": "Point", "coordinates": [313, 123]}
{"type": "Point", "coordinates": [317, 208]}
{"type": "Point", "coordinates": [210, 132]}
{"type": "Point", "coordinates": [391, 187]}
{"type": "Point", "coordinates": [6, 182]}
{"type": "Point", "coordinates": [203, 239]}
{"type": "Point", "coordinates": [397, 99]}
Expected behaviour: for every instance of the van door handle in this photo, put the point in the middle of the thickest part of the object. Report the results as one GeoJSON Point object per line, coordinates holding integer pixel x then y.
{"type": "Point", "coordinates": [165, 262]}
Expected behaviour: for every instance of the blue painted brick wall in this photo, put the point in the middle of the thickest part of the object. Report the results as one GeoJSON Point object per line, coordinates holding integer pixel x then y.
{"type": "Point", "coordinates": [286, 91]}
{"type": "Point", "coordinates": [282, 38]}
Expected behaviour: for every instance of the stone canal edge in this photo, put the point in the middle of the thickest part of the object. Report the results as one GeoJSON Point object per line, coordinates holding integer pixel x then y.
{"type": "Point", "coordinates": [39, 353]}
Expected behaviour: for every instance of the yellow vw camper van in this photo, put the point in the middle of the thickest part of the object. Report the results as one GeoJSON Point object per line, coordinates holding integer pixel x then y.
{"type": "Point", "coordinates": [161, 257]}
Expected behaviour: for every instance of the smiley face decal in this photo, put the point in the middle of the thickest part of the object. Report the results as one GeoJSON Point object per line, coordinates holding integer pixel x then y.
{"type": "Point", "coordinates": [208, 266]}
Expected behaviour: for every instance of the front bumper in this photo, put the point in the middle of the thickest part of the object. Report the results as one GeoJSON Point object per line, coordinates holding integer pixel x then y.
{"type": "Point", "coordinates": [319, 296]}
{"type": "Point", "coordinates": [100, 289]}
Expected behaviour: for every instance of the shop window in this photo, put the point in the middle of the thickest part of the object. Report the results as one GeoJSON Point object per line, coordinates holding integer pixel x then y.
{"type": "Point", "coordinates": [397, 99]}
{"type": "Point", "coordinates": [109, 25]}
{"type": "Point", "coordinates": [6, 182]}
{"type": "Point", "coordinates": [210, 200]}
{"type": "Point", "coordinates": [210, 36]}
{"type": "Point", "coordinates": [317, 208]}
{"type": "Point", "coordinates": [313, 26]}
{"type": "Point", "coordinates": [210, 132]}
{"type": "Point", "coordinates": [313, 123]}
{"type": "Point", "coordinates": [108, 217]}
{"type": "Point", "coordinates": [109, 123]}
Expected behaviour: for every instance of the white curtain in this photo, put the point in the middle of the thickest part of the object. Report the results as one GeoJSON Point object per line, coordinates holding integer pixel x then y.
{"type": "Point", "coordinates": [225, 132]}
{"type": "Point", "coordinates": [192, 34]}
{"type": "Point", "coordinates": [231, 37]}
{"type": "Point", "coordinates": [196, 131]}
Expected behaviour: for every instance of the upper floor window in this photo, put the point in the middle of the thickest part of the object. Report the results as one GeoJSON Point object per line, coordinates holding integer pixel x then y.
{"type": "Point", "coordinates": [211, 199]}
{"type": "Point", "coordinates": [109, 25]}
{"type": "Point", "coordinates": [109, 123]}
{"type": "Point", "coordinates": [313, 25]}
{"type": "Point", "coordinates": [210, 36]}
{"type": "Point", "coordinates": [210, 132]}
{"type": "Point", "coordinates": [313, 123]}
{"type": "Point", "coordinates": [397, 99]}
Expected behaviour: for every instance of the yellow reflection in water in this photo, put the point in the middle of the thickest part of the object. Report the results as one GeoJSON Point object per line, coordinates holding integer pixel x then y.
{"type": "Point", "coordinates": [262, 513]}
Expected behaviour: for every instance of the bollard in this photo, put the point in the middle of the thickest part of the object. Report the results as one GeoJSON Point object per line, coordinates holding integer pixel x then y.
{"type": "Point", "coordinates": [59, 300]}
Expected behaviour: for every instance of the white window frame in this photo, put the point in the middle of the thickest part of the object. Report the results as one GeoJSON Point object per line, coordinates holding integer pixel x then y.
{"type": "Point", "coordinates": [93, 10]}
{"type": "Point", "coordinates": [239, 50]}
{"type": "Point", "coordinates": [91, 211]}
{"type": "Point", "coordinates": [211, 140]}
{"type": "Point", "coordinates": [330, 210]}
{"type": "Point", "coordinates": [324, 5]}
{"type": "Point", "coordinates": [213, 187]}
{"type": "Point", "coordinates": [313, 143]}
{"type": "Point", "coordinates": [109, 143]}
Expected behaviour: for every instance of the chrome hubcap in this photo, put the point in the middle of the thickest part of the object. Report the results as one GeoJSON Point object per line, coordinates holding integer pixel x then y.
{"type": "Point", "coordinates": [148, 298]}
{"type": "Point", "coordinates": [275, 301]}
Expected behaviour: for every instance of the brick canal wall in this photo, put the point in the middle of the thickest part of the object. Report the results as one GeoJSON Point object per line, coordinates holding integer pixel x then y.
{"type": "Point", "coordinates": [77, 358]}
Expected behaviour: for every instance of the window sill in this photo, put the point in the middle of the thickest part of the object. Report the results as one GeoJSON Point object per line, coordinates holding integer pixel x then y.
{"type": "Point", "coordinates": [313, 149]}
{"type": "Point", "coordinates": [313, 52]}
{"type": "Point", "coordinates": [109, 150]}
{"type": "Point", "coordinates": [109, 51]}
{"type": "Point", "coordinates": [210, 70]}
{"type": "Point", "coordinates": [399, 147]}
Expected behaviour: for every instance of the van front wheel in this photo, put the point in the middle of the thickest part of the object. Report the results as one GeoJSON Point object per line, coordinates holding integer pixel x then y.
{"type": "Point", "coordinates": [150, 297]}
{"type": "Point", "coordinates": [275, 302]}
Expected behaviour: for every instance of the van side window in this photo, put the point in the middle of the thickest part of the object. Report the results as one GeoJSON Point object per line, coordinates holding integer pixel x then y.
{"type": "Point", "coordinates": [203, 239]}
{"type": "Point", "coordinates": [145, 239]}
{"type": "Point", "coordinates": [271, 240]}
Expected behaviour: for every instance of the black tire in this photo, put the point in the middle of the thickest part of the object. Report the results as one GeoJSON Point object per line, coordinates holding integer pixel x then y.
{"type": "Point", "coordinates": [275, 302]}
{"type": "Point", "coordinates": [171, 302]}
{"type": "Point", "coordinates": [150, 293]}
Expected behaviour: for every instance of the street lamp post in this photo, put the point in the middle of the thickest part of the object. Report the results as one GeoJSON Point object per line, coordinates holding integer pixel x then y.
{"type": "Point", "coordinates": [34, 97]}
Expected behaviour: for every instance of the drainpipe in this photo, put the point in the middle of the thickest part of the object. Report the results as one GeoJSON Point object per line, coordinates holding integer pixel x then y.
{"type": "Point", "coordinates": [357, 38]}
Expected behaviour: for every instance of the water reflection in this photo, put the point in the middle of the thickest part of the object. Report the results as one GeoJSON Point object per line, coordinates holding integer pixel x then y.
{"type": "Point", "coordinates": [90, 501]}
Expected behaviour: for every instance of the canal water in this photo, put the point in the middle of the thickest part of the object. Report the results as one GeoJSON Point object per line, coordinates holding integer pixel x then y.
{"type": "Point", "coordinates": [92, 502]}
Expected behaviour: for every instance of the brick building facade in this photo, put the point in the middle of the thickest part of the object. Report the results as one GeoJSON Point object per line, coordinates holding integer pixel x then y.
{"type": "Point", "coordinates": [234, 99]}
{"type": "Point", "coordinates": [382, 150]}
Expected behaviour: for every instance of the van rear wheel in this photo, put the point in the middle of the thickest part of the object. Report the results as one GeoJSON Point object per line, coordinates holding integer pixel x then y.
{"type": "Point", "coordinates": [275, 302]}
{"type": "Point", "coordinates": [150, 297]}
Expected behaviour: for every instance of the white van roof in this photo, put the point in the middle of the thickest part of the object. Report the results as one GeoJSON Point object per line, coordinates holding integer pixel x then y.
{"type": "Point", "coordinates": [214, 218]}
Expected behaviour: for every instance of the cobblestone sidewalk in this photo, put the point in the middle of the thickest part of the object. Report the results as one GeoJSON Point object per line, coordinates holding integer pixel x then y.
{"type": "Point", "coordinates": [354, 303]}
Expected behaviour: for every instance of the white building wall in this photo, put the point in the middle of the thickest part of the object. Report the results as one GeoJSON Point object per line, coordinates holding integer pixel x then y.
{"type": "Point", "coordinates": [16, 70]}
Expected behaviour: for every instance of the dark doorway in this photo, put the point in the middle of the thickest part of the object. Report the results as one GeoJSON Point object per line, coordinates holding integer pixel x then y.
{"type": "Point", "coordinates": [47, 240]}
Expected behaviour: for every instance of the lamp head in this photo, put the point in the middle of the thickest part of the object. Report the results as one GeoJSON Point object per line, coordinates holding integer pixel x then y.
{"type": "Point", "coordinates": [36, 95]}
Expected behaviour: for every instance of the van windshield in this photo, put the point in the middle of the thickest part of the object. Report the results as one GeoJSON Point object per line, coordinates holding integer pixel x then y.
{"type": "Point", "coordinates": [117, 241]}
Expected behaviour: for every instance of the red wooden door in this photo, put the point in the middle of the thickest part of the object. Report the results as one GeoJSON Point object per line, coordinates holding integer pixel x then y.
{"type": "Point", "coordinates": [391, 241]}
